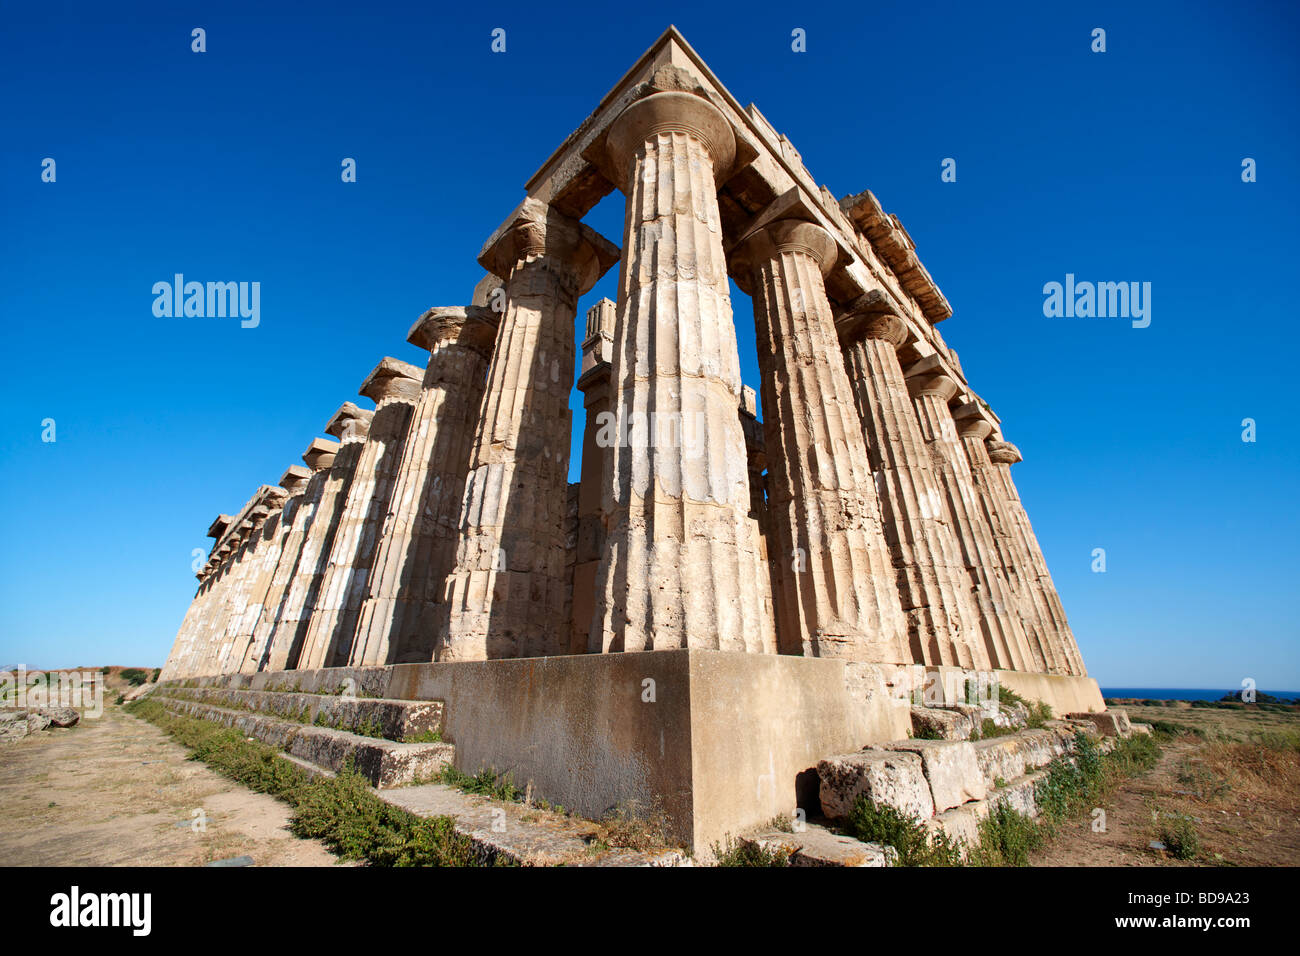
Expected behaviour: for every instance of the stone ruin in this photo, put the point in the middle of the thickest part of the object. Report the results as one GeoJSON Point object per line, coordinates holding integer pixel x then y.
{"type": "Point", "coordinates": [719, 603]}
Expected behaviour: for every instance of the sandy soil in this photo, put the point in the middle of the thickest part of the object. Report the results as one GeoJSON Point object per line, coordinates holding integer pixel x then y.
{"type": "Point", "coordinates": [117, 792]}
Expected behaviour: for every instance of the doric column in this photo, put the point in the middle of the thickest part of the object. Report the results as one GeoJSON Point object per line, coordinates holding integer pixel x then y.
{"type": "Point", "coordinates": [681, 554]}
{"type": "Point", "coordinates": [417, 544]}
{"type": "Point", "coordinates": [839, 597]}
{"type": "Point", "coordinates": [1002, 455]}
{"type": "Point", "coordinates": [216, 580]}
{"type": "Point", "coordinates": [350, 425]}
{"type": "Point", "coordinates": [254, 536]}
{"type": "Point", "coordinates": [264, 655]}
{"type": "Point", "coordinates": [394, 387]}
{"type": "Point", "coordinates": [974, 425]}
{"type": "Point", "coordinates": [506, 595]}
{"type": "Point", "coordinates": [931, 387]}
{"type": "Point", "coordinates": [756, 465]}
{"type": "Point", "coordinates": [943, 624]}
{"type": "Point", "coordinates": [275, 532]}
{"type": "Point", "coordinates": [179, 660]}
{"type": "Point", "coordinates": [589, 534]}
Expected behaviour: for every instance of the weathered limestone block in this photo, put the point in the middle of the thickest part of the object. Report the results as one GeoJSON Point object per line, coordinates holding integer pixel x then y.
{"type": "Point", "coordinates": [950, 770]}
{"type": "Point", "coordinates": [394, 387]}
{"type": "Point", "coordinates": [1002, 455]}
{"type": "Point", "coordinates": [680, 553]}
{"type": "Point", "coordinates": [947, 724]}
{"type": "Point", "coordinates": [1014, 755]}
{"type": "Point", "coordinates": [934, 586]}
{"type": "Point", "coordinates": [1111, 723]}
{"type": "Point", "coordinates": [1004, 639]}
{"type": "Point", "coordinates": [889, 778]}
{"type": "Point", "coordinates": [400, 615]}
{"type": "Point", "coordinates": [961, 824]}
{"type": "Point", "coordinates": [350, 425]}
{"type": "Point", "coordinates": [506, 595]}
{"type": "Point", "coordinates": [299, 515]}
{"type": "Point", "coordinates": [815, 846]}
{"type": "Point", "coordinates": [838, 596]}
{"type": "Point", "coordinates": [1020, 794]}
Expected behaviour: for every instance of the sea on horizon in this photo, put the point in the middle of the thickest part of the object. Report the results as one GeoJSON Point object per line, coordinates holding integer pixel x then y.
{"type": "Point", "coordinates": [1186, 693]}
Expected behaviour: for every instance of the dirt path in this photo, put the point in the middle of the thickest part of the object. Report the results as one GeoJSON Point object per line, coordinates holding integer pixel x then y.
{"type": "Point", "coordinates": [118, 792]}
{"type": "Point", "coordinates": [1238, 825]}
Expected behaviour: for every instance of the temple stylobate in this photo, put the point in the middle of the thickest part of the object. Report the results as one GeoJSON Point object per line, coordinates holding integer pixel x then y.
{"type": "Point", "coordinates": [868, 514]}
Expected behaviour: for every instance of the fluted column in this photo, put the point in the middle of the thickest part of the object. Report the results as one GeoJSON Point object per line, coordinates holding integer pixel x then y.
{"type": "Point", "coordinates": [350, 425]}
{"type": "Point", "coordinates": [1002, 455]}
{"type": "Point", "coordinates": [756, 463]}
{"type": "Point", "coordinates": [839, 597]}
{"type": "Point", "coordinates": [973, 427]}
{"type": "Point", "coordinates": [506, 595]}
{"type": "Point", "coordinates": [589, 530]}
{"type": "Point", "coordinates": [417, 545]}
{"type": "Point", "coordinates": [1004, 638]}
{"type": "Point", "coordinates": [394, 387]}
{"type": "Point", "coordinates": [275, 532]}
{"type": "Point", "coordinates": [264, 654]}
{"type": "Point", "coordinates": [680, 553]}
{"type": "Point", "coordinates": [179, 660]}
{"type": "Point", "coordinates": [943, 624]}
{"type": "Point", "coordinates": [251, 542]}
{"type": "Point", "coordinates": [217, 580]}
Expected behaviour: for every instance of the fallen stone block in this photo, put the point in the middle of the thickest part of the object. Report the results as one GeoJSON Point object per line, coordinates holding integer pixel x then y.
{"type": "Point", "coordinates": [950, 769]}
{"type": "Point", "coordinates": [37, 722]}
{"type": "Point", "coordinates": [885, 778]}
{"type": "Point", "coordinates": [1144, 729]}
{"type": "Point", "coordinates": [61, 716]}
{"type": "Point", "coordinates": [816, 846]}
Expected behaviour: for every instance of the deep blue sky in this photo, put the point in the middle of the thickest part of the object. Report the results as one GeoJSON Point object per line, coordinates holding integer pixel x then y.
{"type": "Point", "coordinates": [1122, 166]}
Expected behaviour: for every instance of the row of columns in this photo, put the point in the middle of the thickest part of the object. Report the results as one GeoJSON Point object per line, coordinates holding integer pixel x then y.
{"type": "Point", "coordinates": [886, 527]}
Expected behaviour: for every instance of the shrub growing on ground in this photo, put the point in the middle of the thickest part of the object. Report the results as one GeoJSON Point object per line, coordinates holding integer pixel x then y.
{"type": "Point", "coordinates": [341, 811]}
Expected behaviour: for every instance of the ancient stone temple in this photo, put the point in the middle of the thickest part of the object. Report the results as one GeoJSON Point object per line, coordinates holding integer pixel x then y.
{"type": "Point", "coordinates": [743, 580]}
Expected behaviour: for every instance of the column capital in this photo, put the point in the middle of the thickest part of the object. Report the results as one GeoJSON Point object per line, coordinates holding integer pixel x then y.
{"type": "Point", "coordinates": [538, 231]}
{"type": "Point", "coordinates": [1003, 453]}
{"type": "Point", "coordinates": [473, 327]}
{"type": "Point", "coordinates": [975, 411]}
{"type": "Point", "coordinates": [392, 380]}
{"type": "Point", "coordinates": [772, 239]}
{"type": "Point", "coordinates": [930, 377]}
{"type": "Point", "coordinates": [871, 316]}
{"type": "Point", "coordinates": [671, 111]}
{"type": "Point", "coordinates": [974, 428]}
{"type": "Point", "coordinates": [350, 423]}
{"type": "Point", "coordinates": [320, 454]}
{"type": "Point", "coordinates": [295, 479]}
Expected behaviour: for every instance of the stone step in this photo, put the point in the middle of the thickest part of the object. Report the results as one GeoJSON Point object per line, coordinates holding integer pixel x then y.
{"type": "Point", "coordinates": [398, 720]}
{"type": "Point", "coordinates": [521, 834]}
{"type": "Point", "coordinates": [965, 721]}
{"type": "Point", "coordinates": [1016, 754]}
{"type": "Point", "coordinates": [382, 762]}
{"type": "Point", "coordinates": [817, 846]}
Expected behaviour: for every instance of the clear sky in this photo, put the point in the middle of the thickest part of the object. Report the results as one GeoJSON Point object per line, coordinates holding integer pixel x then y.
{"type": "Point", "coordinates": [225, 166]}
